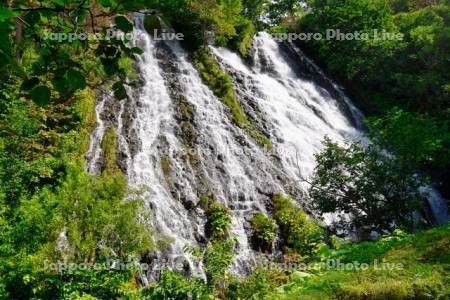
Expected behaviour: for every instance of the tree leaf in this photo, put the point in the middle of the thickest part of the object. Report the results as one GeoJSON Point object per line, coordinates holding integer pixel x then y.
{"type": "Point", "coordinates": [29, 83]}
{"type": "Point", "coordinates": [119, 90]}
{"type": "Point", "coordinates": [76, 80]}
{"type": "Point", "coordinates": [59, 84]}
{"type": "Point", "coordinates": [5, 13]}
{"type": "Point", "coordinates": [123, 24]}
{"type": "Point", "coordinates": [137, 50]}
{"type": "Point", "coordinates": [41, 95]}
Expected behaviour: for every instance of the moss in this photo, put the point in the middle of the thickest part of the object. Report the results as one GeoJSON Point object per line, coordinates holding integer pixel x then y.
{"type": "Point", "coordinates": [222, 86]}
{"type": "Point", "coordinates": [126, 63]}
{"type": "Point", "coordinates": [152, 23]}
{"type": "Point", "coordinates": [165, 164]}
{"type": "Point", "coordinates": [244, 40]}
{"type": "Point", "coordinates": [204, 202]}
{"type": "Point", "coordinates": [220, 83]}
{"type": "Point", "coordinates": [109, 145]}
{"type": "Point", "coordinates": [76, 144]}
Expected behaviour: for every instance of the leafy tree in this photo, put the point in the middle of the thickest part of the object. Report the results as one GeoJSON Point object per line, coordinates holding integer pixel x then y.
{"type": "Point", "coordinates": [414, 138]}
{"type": "Point", "coordinates": [367, 184]}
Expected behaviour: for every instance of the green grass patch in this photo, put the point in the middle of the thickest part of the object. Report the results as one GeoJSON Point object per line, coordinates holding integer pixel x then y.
{"type": "Point", "coordinates": [424, 272]}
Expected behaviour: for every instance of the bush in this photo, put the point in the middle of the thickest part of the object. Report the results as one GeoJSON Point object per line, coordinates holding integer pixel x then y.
{"type": "Point", "coordinates": [300, 234]}
{"type": "Point", "coordinates": [264, 230]}
{"type": "Point", "coordinates": [217, 258]}
{"type": "Point", "coordinates": [174, 286]}
{"type": "Point", "coordinates": [219, 221]}
{"type": "Point", "coordinates": [257, 285]}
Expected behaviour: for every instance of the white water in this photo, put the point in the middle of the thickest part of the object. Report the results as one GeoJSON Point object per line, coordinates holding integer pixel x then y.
{"type": "Point", "coordinates": [298, 112]}
{"type": "Point", "coordinates": [290, 105]}
{"type": "Point", "coordinates": [94, 153]}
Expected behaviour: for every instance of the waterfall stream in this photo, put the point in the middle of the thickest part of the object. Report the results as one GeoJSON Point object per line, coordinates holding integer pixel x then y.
{"type": "Point", "coordinates": [298, 107]}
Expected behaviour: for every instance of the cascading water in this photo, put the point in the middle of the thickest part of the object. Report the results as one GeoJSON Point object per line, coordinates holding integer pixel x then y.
{"type": "Point", "coordinates": [300, 112]}
{"type": "Point", "coordinates": [222, 159]}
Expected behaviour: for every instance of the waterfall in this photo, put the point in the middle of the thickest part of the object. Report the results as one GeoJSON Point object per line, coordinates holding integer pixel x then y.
{"type": "Point", "coordinates": [297, 107]}
{"type": "Point", "coordinates": [300, 112]}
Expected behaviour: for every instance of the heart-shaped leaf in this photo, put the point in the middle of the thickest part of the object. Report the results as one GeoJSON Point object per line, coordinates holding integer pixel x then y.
{"type": "Point", "coordinates": [40, 95]}
{"type": "Point", "coordinates": [123, 24]}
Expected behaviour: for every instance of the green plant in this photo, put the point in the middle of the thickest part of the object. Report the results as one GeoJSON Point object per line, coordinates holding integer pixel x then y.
{"type": "Point", "coordinates": [174, 286]}
{"type": "Point", "coordinates": [152, 24]}
{"type": "Point", "coordinates": [264, 230]}
{"type": "Point", "coordinates": [217, 258]}
{"type": "Point", "coordinates": [204, 202]}
{"type": "Point", "coordinates": [219, 221]}
{"type": "Point", "coordinates": [109, 144]}
{"type": "Point", "coordinates": [300, 234]}
{"type": "Point", "coordinates": [165, 164]}
{"type": "Point", "coordinates": [375, 188]}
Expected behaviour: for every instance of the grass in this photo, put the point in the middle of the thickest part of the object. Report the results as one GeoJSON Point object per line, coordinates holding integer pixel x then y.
{"type": "Point", "coordinates": [424, 256]}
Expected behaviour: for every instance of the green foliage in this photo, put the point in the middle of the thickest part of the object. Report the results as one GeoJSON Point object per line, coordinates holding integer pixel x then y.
{"type": "Point", "coordinates": [59, 67]}
{"type": "Point", "coordinates": [93, 219]}
{"type": "Point", "coordinates": [244, 39]}
{"type": "Point", "coordinates": [174, 286]}
{"type": "Point", "coordinates": [217, 258]}
{"type": "Point", "coordinates": [256, 286]}
{"type": "Point", "coordinates": [152, 23]}
{"type": "Point", "coordinates": [204, 202]}
{"type": "Point", "coordinates": [415, 138]}
{"type": "Point", "coordinates": [410, 72]}
{"type": "Point", "coordinates": [264, 230]}
{"type": "Point", "coordinates": [423, 271]}
{"type": "Point", "coordinates": [220, 83]}
{"type": "Point", "coordinates": [370, 185]}
{"type": "Point", "coordinates": [109, 145]}
{"type": "Point", "coordinates": [219, 221]}
{"type": "Point", "coordinates": [165, 164]}
{"type": "Point", "coordinates": [300, 234]}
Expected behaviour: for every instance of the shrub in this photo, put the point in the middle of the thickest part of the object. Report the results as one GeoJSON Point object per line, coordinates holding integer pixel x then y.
{"type": "Point", "coordinates": [260, 283]}
{"type": "Point", "coordinates": [174, 286]}
{"type": "Point", "coordinates": [374, 188]}
{"type": "Point", "coordinates": [218, 257]}
{"type": "Point", "coordinates": [219, 221]}
{"type": "Point", "coordinates": [299, 233]}
{"type": "Point", "coordinates": [264, 230]}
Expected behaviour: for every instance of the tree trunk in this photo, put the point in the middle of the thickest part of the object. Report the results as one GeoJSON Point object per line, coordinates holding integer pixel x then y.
{"type": "Point", "coordinates": [19, 37]}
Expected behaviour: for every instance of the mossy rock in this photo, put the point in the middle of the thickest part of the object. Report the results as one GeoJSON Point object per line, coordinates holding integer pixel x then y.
{"type": "Point", "coordinates": [109, 145]}
{"type": "Point", "coordinates": [152, 23]}
{"type": "Point", "coordinates": [165, 164]}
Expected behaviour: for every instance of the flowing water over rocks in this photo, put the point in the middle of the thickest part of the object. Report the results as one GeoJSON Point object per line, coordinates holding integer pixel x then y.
{"type": "Point", "coordinates": [177, 142]}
